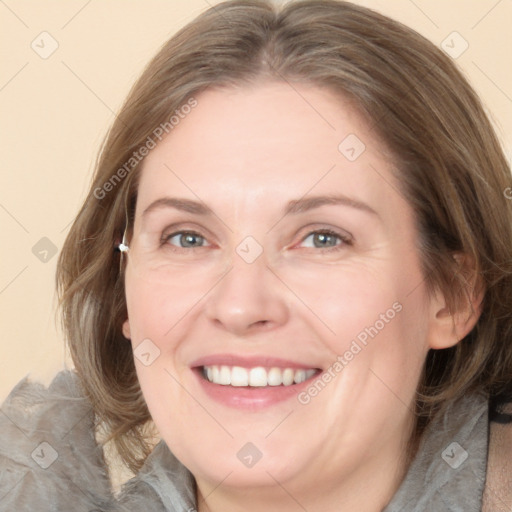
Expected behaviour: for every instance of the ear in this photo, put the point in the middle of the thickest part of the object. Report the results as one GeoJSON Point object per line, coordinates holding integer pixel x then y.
{"type": "Point", "coordinates": [447, 328]}
{"type": "Point", "coordinates": [126, 329]}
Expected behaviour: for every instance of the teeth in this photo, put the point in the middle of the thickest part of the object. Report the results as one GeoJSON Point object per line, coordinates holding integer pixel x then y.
{"type": "Point", "coordinates": [255, 377]}
{"type": "Point", "coordinates": [300, 376]}
{"type": "Point", "coordinates": [288, 375]}
{"type": "Point", "coordinates": [258, 377]}
{"type": "Point", "coordinates": [274, 377]}
{"type": "Point", "coordinates": [225, 376]}
{"type": "Point", "coordinates": [239, 376]}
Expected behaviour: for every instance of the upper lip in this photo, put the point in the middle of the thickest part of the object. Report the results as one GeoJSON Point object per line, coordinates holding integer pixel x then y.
{"type": "Point", "coordinates": [249, 361]}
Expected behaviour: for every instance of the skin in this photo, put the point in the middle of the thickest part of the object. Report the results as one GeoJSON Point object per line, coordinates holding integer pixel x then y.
{"type": "Point", "coordinates": [245, 153]}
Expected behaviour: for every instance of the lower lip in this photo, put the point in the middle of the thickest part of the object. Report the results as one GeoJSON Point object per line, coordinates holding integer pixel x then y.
{"type": "Point", "coordinates": [250, 397]}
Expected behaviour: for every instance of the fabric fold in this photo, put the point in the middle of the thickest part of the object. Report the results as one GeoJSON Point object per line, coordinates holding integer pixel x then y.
{"type": "Point", "coordinates": [48, 452]}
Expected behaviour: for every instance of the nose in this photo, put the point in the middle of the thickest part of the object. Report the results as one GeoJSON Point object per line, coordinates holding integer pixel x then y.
{"type": "Point", "coordinates": [248, 299]}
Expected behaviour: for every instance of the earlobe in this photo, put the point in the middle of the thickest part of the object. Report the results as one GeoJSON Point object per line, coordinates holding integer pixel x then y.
{"type": "Point", "coordinates": [126, 329]}
{"type": "Point", "coordinates": [442, 332]}
{"type": "Point", "coordinates": [447, 328]}
{"type": "Point", "coordinates": [450, 328]}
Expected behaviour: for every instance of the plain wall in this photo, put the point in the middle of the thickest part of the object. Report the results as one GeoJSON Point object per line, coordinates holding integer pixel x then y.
{"type": "Point", "coordinates": [56, 110]}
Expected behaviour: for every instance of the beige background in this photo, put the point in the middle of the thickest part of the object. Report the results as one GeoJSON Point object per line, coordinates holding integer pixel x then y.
{"type": "Point", "coordinates": [55, 112]}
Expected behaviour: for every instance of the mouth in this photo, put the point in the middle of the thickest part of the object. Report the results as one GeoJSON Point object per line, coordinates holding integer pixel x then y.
{"type": "Point", "coordinates": [256, 377]}
{"type": "Point", "coordinates": [252, 382]}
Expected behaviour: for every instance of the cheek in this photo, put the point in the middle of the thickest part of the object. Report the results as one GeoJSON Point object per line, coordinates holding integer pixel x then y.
{"type": "Point", "coordinates": [161, 313]}
{"type": "Point", "coordinates": [348, 299]}
{"type": "Point", "coordinates": [157, 306]}
{"type": "Point", "coordinates": [154, 319]}
{"type": "Point", "coordinates": [383, 338]}
{"type": "Point", "coordinates": [372, 317]}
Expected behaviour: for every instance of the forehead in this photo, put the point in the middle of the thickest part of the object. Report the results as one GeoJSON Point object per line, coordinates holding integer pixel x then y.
{"type": "Point", "coordinates": [270, 139]}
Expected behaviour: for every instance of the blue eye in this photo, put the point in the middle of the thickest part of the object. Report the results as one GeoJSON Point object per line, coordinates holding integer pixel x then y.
{"type": "Point", "coordinates": [324, 240]}
{"type": "Point", "coordinates": [186, 239]}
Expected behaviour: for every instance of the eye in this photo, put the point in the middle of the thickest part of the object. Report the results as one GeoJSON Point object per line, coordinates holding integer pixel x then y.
{"type": "Point", "coordinates": [186, 239]}
{"type": "Point", "coordinates": [324, 240]}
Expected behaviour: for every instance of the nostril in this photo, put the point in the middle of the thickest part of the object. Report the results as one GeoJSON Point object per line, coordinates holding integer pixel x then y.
{"type": "Point", "coordinates": [260, 323]}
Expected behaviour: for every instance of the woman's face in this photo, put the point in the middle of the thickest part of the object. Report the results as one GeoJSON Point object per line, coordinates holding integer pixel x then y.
{"type": "Point", "coordinates": [270, 246]}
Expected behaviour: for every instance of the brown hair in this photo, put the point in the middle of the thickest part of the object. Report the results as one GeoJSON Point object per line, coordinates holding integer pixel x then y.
{"type": "Point", "coordinates": [449, 163]}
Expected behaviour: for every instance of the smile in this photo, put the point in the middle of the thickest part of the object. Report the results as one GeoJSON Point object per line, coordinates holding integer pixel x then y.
{"type": "Point", "coordinates": [258, 376]}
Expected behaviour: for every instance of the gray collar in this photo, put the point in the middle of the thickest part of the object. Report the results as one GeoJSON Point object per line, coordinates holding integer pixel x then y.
{"type": "Point", "coordinates": [448, 472]}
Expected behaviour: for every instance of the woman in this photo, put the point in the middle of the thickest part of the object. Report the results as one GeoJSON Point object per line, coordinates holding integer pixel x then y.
{"type": "Point", "coordinates": [294, 261]}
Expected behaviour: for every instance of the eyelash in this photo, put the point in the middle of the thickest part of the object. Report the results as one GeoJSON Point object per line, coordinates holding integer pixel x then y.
{"type": "Point", "coordinates": [165, 238]}
{"type": "Point", "coordinates": [344, 240]}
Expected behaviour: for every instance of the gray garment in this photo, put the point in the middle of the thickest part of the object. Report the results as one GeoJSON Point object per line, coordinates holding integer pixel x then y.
{"type": "Point", "coordinates": [448, 473]}
{"type": "Point", "coordinates": [50, 461]}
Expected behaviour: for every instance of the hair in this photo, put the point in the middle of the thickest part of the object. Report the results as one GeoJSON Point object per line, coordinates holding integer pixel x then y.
{"type": "Point", "coordinates": [449, 164]}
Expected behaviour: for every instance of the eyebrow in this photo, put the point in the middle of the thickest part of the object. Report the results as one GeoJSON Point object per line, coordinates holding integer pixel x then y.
{"type": "Point", "coordinates": [296, 206]}
{"type": "Point", "coordinates": [309, 203]}
{"type": "Point", "coordinates": [184, 205]}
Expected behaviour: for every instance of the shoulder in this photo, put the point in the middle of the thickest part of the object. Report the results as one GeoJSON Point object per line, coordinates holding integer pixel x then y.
{"type": "Point", "coordinates": [48, 453]}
